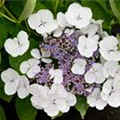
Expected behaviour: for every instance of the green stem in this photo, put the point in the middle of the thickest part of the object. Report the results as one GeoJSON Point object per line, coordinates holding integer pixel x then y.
{"type": "Point", "coordinates": [56, 5]}
{"type": "Point", "coordinates": [27, 26]}
{"type": "Point", "coordinates": [5, 16]}
{"type": "Point", "coordinates": [9, 13]}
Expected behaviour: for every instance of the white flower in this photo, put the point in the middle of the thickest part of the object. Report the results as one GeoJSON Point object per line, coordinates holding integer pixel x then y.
{"type": "Point", "coordinates": [109, 48]}
{"type": "Point", "coordinates": [95, 74]}
{"type": "Point", "coordinates": [58, 32]}
{"type": "Point", "coordinates": [53, 100]}
{"type": "Point", "coordinates": [78, 16]}
{"type": "Point", "coordinates": [43, 56]}
{"type": "Point", "coordinates": [61, 100]}
{"type": "Point", "coordinates": [79, 66]}
{"type": "Point", "coordinates": [39, 96]}
{"type": "Point", "coordinates": [110, 68]}
{"type": "Point", "coordinates": [87, 46]}
{"type": "Point", "coordinates": [30, 67]}
{"type": "Point", "coordinates": [56, 75]}
{"type": "Point", "coordinates": [42, 22]}
{"type": "Point", "coordinates": [18, 45]}
{"type": "Point", "coordinates": [90, 30]}
{"type": "Point", "coordinates": [15, 83]}
{"type": "Point", "coordinates": [11, 80]}
{"type": "Point", "coordinates": [110, 91]}
{"type": "Point", "coordinates": [94, 100]}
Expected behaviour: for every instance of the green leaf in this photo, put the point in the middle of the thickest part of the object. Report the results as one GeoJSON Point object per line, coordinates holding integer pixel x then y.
{"type": "Point", "coordinates": [82, 105]}
{"type": "Point", "coordinates": [0, 59]}
{"type": "Point", "coordinates": [2, 114]}
{"type": "Point", "coordinates": [3, 32]}
{"type": "Point", "coordinates": [28, 10]}
{"type": "Point", "coordinates": [39, 6]}
{"type": "Point", "coordinates": [115, 6]}
{"type": "Point", "coordinates": [24, 109]}
{"type": "Point", "coordinates": [59, 114]}
{"type": "Point", "coordinates": [24, 57]}
{"type": "Point", "coordinates": [16, 7]}
{"type": "Point", "coordinates": [98, 12]}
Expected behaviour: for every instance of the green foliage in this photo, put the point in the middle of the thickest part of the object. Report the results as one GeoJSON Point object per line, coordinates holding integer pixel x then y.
{"type": "Point", "coordinates": [3, 32]}
{"type": "Point", "coordinates": [2, 114]}
{"type": "Point", "coordinates": [24, 109]}
{"type": "Point", "coordinates": [3, 96]}
{"type": "Point", "coordinates": [82, 106]}
{"type": "Point", "coordinates": [99, 11]}
{"type": "Point", "coordinates": [28, 10]}
{"type": "Point", "coordinates": [115, 6]}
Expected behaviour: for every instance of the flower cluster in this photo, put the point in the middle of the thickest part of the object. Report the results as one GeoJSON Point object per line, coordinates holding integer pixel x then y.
{"type": "Point", "coordinates": [76, 57]}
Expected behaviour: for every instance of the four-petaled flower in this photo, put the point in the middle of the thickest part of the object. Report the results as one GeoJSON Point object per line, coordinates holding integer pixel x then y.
{"type": "Point", "coordinates": [44, 56]}
{"type": "Point", "coordinates": [88, 45]}
{"type": "Point", "coordinates": [109, 48]}
{"type": "Point", "coordinates": [79, 66]}
{"type": "Point", "coordinates": [30, 67]}
{"type": "Point", "coordinates": [95, 74]}
{"type": "Point", "coordinates": [56, 75]}
{"type": "Point", "coordinates": [15, 83]}
{"type": "Point", "coordinates": [78, 16]}
{"type": "Point", "coordinates": [17, 46]}
{"type": "Point", "coordinates": [42, 22]}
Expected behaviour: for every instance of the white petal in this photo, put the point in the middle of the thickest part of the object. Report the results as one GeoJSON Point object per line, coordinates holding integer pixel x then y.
{"type": "Point", "coordinates": [22, 37]}
{"type": "Point", "coordinates": [24, 48]}
{"type": "Point", "coordinates": [22, 92]}
{"type": "Point", "coordinates": [110, 68]}
{"type": "Point", "coordinates": [10, 88]}
{"type": "Point", "coordinates": [114, 99]}
{"type": "Point", "coordinates": [107, 87]}
{"type": "Point", "coordinates": [46, 60]}
{"type": "Point", "coordinates": [91, 101]}
{"type": "Point", "coordinates": [9, 75]}
{"type": "Point", "coordinates": [100, 104]}
{"type": "Point", "coordinates": [104, 96]}
{"type": "Point", "coordinates": [33, 21]}
{"type": "Point", "coordinates": [34, 89]}
{"type": "Point", "coordinates": [71, 99]}
{"type": "Point", "coordinates": [24, 67]}
{"type": "Point", "coordinates": [52, 110]}
{"type": "Point", "coordinates": [35, 53]}
{"type": "Point", "coordinates": [61, 104]}
{"type": "Point", "coordinates": [89, 77]}
{"type": "Point", "coordinates": [11, 47]}
{"type": "Point", "coordinates": [58, 80]}
{"type": "Point", "coordinates": [36, 68]}
{"type": "Point", "coordinates": [31, 73]}
{"type": "Point", "coordinates": [33, 61]}
{"type": "Point", "coordinates": [45, 15]}
{"type": "Point", "coordinates": [115, 55]}
{"type": "Point", "coordinates": [58, 32]}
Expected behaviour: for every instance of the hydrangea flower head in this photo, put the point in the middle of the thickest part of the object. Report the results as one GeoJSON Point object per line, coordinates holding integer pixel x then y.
{"type": "Point", "coordinates": [75, 58]}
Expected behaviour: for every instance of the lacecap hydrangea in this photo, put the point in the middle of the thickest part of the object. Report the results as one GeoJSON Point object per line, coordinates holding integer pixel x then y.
{"type": "Point", "coordinates": [75, 58]}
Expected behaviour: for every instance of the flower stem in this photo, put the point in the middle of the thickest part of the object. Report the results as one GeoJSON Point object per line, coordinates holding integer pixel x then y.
{"type": "Point", "coordinates": [9, 13]}
{"type": "Point", "coordinates": [5, 16]}
{"type": "Point", "coordinates": [56, 5]}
